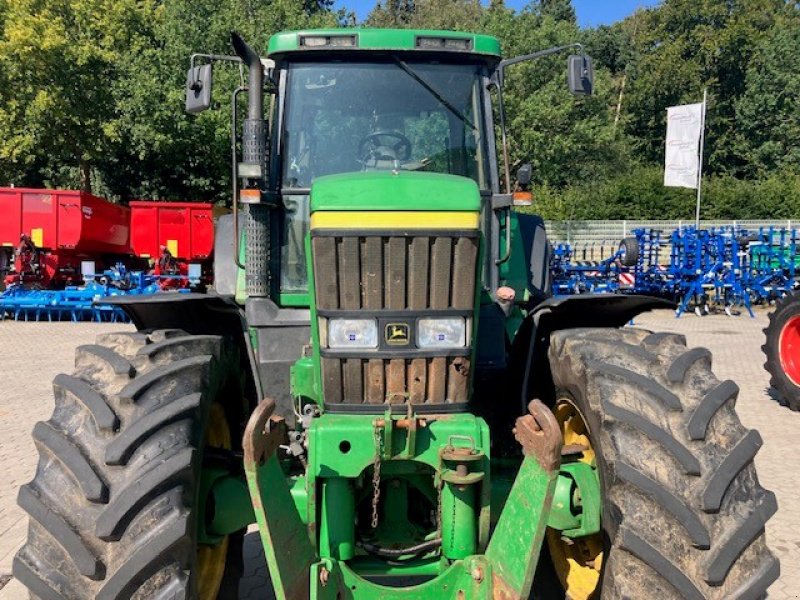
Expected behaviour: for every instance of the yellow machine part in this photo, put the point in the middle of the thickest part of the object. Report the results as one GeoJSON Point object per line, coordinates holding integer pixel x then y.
{"type": "Point", "coordinates": [578, 563]}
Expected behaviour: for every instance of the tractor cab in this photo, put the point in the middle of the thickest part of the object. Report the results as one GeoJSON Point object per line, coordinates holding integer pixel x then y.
{"type": "Point", "coordinates": [417, 106]}
{"type": "Point", "coordinates": [369, 100]}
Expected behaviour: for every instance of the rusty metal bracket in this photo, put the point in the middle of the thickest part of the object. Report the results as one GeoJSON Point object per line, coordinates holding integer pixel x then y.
{"type": "Point", "coordinates": [540, 436]}
{"type": "Point", "coordinates": [288, 550]}
{"type": "Point", "coordinates": [263, 434]}
{"type": "Point", "coordinates": [519, 533]}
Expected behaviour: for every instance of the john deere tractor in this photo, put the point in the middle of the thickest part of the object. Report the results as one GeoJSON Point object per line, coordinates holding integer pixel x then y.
{"type": "Point", "coordinates": [382, 381]}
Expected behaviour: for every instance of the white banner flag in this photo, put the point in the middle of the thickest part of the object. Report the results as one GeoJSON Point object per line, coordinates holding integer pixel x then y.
{"type": "Point", "coordinates": [682, 162]}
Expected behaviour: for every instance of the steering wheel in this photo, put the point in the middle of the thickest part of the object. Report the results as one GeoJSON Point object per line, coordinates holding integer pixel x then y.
{"type": "Point", "coordinates": [371, 148]}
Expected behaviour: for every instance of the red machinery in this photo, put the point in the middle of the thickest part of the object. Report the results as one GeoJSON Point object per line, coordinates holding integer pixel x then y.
{"type": "Point", "coordinates": [66, 227]}
{"type": "Point", "coordinates": [177, 236]}
{"type": "Point", "coordinates": [46, 235]}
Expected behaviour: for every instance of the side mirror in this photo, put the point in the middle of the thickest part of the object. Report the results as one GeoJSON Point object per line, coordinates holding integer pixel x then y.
{"type": "Point", "coordinates": [198, 89]}
{"type": "Point", "coordinates": [580, 74]}
{"type": "Point", "coordinates": [524, 174]}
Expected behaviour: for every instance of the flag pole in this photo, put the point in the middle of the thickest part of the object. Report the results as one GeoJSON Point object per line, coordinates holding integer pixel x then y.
{"type": "Point", "coordinates": [700, 165]}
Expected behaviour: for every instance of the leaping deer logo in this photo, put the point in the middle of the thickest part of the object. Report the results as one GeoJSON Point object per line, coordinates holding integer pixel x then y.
{"type": "Point", "coordinates": [396, 334]}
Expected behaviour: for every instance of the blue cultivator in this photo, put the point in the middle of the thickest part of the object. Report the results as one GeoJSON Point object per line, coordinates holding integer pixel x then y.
{"type": "Point", "coordinates": [726, 266]}
{"type": "Point", "coordinates": [572, 276]}
{"type": "Point", "coordinates": [651, 277]}
{"type": "Point", "coordinates": [774, 262]}
{"type": "Point", "coordinates": [708, 266]}
{"type": "Point", "coordinates": [84, 303]}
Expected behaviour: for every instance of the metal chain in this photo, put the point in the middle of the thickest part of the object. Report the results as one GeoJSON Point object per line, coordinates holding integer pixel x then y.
{"type": "Point", "coordinates": [376, 475]}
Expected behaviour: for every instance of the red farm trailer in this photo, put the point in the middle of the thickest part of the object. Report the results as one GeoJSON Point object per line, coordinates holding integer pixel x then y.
{"type": "Point", "coordinates": [45, 235]}
{"type": "Point", "coordinates": [177, 236]}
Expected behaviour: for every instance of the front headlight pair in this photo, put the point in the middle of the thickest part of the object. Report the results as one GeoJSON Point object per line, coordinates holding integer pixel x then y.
{"type": "Point", "coordinates": [431, 333]}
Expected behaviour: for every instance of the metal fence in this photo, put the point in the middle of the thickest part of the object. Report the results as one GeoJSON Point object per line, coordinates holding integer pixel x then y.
{"type": "Point", "coordinates": [609, 232]}
{"type": "Point", "coordinates": [597, 240]}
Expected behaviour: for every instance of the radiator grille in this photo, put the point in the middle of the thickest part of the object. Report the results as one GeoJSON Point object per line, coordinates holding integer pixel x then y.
{"type": "Point", "coordinates": [395, 273]}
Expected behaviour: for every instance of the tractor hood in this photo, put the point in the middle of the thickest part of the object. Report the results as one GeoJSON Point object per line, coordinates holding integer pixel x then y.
{"type": "Point", "coordinates": [395, 191]}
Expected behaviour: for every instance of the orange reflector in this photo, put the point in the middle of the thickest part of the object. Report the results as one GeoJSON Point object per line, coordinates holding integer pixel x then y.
{"type": "Point", "coordinates": [250, 196]}
{"type": "Point", "coordinates": [523, 198]}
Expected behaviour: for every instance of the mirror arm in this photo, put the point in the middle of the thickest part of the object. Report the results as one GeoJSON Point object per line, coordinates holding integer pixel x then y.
{"type": "Point", "coordinates": [500, 80]}
{"type": "Point", "coordinates": [504, 141]}
{"type": "Point", "coordinates": [518, 59]}
{"type": "Point", "coordinates": [211, 58]}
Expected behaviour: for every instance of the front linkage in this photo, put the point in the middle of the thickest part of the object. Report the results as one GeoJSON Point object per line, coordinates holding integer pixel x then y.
{"type": "Point", "coordinates": [305, 563]}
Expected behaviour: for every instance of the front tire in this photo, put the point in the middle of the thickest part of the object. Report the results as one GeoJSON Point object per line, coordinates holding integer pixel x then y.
{"type": "Point", "coordinates": [683, 514]}
{"type": "Point", "coordinates": [114, 500]}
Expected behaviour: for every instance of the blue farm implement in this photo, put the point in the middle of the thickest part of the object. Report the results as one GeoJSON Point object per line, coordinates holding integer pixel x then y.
{"type": "Point", "coordinates": [709, 266]}
{"type": "Point", "coordinates": [727, 267]}
{"type": "Point", "coordinates": [77, 303]}
{"type": "Point", "coordinates": [572, 276]}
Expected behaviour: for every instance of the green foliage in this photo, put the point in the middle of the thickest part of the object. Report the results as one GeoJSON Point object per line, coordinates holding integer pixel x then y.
{"type": "Point", "coordinates": [768, 112]}
{"type": "Point", "coordinates": [683, 46]}
{"type": "Point", "coordinates": [92, 91]}
{"type": "Point", "coordinates": [640, 194]}
{"type": "Point", "coordinates": [392, 13]}
{"type": "Point", "coordinates": [58, 59]}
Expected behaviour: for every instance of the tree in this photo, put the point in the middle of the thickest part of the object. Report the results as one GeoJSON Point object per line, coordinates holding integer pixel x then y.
{"type": "Point", "coordinates": [58, 58]}
{"type": "Point", "coordinates": [164, 152]}
{"type": "Point", "coordinates": [392, 13]}
{"type": "Point", "coordinates": [768, 112]}
{"type": "Point", "coordinates": [560, 10]}
{"type": "Point", "coordinates": [686, 45]}
{"type": "Point", "coordinates": [91, 92]}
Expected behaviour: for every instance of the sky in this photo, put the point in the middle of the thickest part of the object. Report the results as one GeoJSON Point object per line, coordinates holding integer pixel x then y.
{"type": "Point", "coordinates": [590, 12]}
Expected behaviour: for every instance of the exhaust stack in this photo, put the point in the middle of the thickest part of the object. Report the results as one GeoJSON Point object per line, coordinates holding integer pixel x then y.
{"type": "Point", "coordinates": [254, 171]}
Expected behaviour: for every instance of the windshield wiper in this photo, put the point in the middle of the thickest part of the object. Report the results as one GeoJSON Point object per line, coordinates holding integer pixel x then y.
{"type": "Point", "coordinates": [444, 101]}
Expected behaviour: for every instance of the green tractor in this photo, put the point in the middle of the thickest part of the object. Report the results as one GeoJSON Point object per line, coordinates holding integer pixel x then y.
{"type": "Point", "coordinates": [382, 380]}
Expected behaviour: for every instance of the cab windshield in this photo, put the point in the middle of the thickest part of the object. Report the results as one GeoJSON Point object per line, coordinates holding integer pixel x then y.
{"type": "Point", "coordinates": [396, 115]}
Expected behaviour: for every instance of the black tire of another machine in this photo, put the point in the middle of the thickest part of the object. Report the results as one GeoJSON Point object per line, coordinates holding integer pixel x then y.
{"type": "Point", "coordinates": [630, 248]}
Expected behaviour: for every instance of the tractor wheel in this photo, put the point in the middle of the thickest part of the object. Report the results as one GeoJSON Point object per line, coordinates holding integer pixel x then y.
{"type": "Point", "coordinates": [113, 505]}
{"type": "Point", "coordinates": [683, 514]}
{"type": "Point", "coordinates": [629, 247]}
{"type": "Point", "coordinates": [783, 350]}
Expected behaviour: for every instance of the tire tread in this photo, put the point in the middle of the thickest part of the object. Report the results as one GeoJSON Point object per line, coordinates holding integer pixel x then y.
{"type": "Point", "coordinates": [682, 502]}
{"type": "Point", "coordinates": [127, 529]}
{"type": "Point", "coordinates": [76, 464]}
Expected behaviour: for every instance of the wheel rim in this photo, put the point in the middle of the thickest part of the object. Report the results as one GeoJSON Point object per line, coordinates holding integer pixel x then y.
{"type": "Point", "coordinates": [577, 564]}
{"type": "Point", "coordinates": [789, 349]}
{"type": "Point", "coordinates": [211, 559]}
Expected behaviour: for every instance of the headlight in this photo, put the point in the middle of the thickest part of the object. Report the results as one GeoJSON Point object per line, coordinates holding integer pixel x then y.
{"type": "Point", "coordinates": [352, 333]}
{"type": "Point", "coordinates": [442, 333]}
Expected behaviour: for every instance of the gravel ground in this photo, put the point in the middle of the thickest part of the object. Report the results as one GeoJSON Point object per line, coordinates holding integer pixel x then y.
{"type": "Point", "coordinates": [35, 352]}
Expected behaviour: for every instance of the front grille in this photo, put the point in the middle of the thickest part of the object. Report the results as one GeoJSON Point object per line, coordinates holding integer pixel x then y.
{"type": "Point", "coordinates": [379, 274]}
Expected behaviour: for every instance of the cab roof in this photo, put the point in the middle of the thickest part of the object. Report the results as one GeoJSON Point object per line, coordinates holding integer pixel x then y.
{"type": "Point", "coordinates": [355, 39]}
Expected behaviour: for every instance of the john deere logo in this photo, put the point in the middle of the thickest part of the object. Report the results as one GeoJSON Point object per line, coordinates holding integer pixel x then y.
{"type": "Point", "coordinates": [396, 334]}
